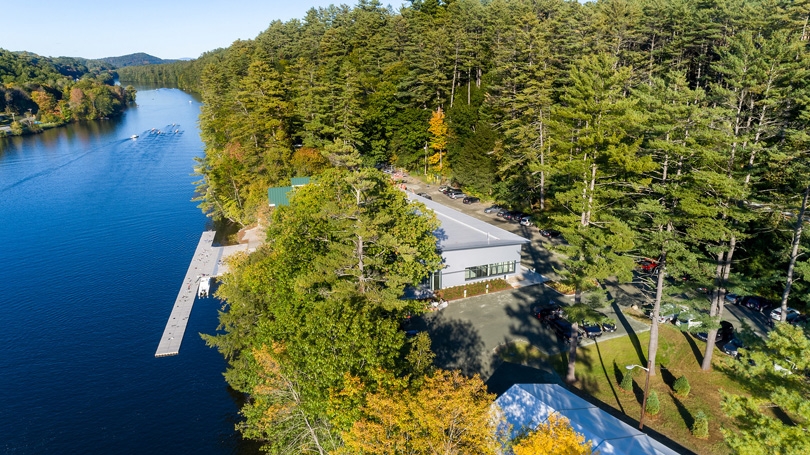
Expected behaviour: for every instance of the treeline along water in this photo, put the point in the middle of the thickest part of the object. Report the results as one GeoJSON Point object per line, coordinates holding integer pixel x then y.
{"type": "Point", "coordinates": [97, 230]}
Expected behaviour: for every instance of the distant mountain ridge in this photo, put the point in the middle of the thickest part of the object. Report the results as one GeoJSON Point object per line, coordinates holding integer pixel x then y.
{"type": "Point", "coordinates": [136, 59]}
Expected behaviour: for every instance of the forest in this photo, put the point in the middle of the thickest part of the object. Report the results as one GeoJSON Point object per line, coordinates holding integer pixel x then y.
{"type": "Point", "coordinates": [40, 92]}
{"type": "Point", "coordinates": [665, 129]}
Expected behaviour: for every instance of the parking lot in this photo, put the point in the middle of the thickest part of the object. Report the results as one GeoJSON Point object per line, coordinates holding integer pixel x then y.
{"type": "Point", "coordinates": [467, 334]}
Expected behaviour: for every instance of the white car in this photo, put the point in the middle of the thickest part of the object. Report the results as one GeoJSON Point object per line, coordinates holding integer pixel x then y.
{"type": "Point", "coordinates": [667, 313]}
{"type": "Point", "coordinates": [687, 318]}
{"type": "Point", "coordinates": [792, 314]}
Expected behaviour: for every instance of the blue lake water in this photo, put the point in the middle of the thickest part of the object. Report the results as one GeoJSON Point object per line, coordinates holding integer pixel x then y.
{"type": "Point", "coordinates": [97, 231]}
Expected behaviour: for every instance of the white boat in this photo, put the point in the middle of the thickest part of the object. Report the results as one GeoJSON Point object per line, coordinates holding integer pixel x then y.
{"type": "Point", "coordinates": [204, 287]}
{"type": "Point", "coordinates": [134, 136]}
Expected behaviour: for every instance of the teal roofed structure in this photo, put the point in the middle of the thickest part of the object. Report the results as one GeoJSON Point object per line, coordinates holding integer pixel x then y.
{"type": "Point", "coordinates": [299, 181]}
{"type": "Point", "coordinates": [278, 195]}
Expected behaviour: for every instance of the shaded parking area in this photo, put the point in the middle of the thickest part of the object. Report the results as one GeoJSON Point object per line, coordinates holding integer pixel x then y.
{"type": "Point", "coordinates": [468, 333]}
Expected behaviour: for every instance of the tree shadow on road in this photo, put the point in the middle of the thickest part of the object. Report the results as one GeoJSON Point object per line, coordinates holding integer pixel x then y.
{"type": "Point", "coordinates": [457, 344]}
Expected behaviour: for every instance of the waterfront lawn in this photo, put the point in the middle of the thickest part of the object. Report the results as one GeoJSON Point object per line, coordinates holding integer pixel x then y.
{"type": "Point", "coordinates": [600, 367]}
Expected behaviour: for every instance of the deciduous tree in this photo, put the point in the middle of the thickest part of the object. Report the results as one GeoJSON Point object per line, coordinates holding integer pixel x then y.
{"type": "Point", "coordinates": [553, 437]}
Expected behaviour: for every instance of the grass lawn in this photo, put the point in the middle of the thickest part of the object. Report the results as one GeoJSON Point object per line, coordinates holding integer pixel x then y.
{"type": "Point", "coordinates": [600, 368]}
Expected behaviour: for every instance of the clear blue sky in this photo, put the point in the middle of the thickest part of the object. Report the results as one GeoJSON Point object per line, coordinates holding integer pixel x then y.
{"type": "Point", "coordinates": [167, 29]}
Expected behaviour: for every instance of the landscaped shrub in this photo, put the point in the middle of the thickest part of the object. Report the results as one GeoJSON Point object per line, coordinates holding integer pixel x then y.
{"type": "Point", "coordinates": [627, 382]}
{"type": "Point", "coordinates": [700, 429]}
{"type": "Point", "coordinates": [562, 288]}
{"type": "Point", "coordinates": [476, 288]}
{"type": "Point", "coordinates": [682, 386]}
{"type": "Point", "coordinates": [653, 405]}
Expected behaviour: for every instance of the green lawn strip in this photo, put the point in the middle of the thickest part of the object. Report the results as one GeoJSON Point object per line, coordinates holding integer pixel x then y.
{"type": "Point", "coordinates": [599, 370]}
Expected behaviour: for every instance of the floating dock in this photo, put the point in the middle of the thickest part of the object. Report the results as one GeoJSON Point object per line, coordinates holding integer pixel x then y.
{"type": "Point", "coordinates": [204, 263]}
{"type": "Point", "coordinates": [208, 262]}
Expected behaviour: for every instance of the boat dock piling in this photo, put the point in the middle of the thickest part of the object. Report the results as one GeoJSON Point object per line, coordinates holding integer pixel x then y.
{"type": "Point", "coordinates": [205, 261]}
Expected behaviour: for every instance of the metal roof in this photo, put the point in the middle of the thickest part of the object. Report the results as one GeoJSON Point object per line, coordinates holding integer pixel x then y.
{"type": "Point", "coordinates": [460, 231]}
{"type": "Point", "coordinates": [299, 181]}
{"type": "Point", "coordinates": [278, 195]}
{"type": "Point", "coordinates": [527, 405]}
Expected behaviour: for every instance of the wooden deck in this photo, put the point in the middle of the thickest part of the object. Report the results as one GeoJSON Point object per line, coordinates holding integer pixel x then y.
{"type": "Point", "coordinates": [205, 262]}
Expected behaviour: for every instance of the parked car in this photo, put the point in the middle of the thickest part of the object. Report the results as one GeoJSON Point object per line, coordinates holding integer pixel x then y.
{"type": "Point", "coordinates": [666, 313]}
{"type": "Point", "coordinates": [756, 303]}
{"type": "Point", "coordinates": [424, 195]}
{"type": "Point", "coordinates": [687, 318]}
{"type": "Point", "coordinates": [724, 334]}
{"type": "Point", "coordinates": [493, 209]}
{"type": "Point", "coordinates": [590, 329]}
{"type": "Point", "coordinates": [564, 330]}
{"type": "Point", "coordinates": [792, 313]}
{"type": "Point", "coordinates": [732, 298]}
{"type": "Point", "coordinates": [647, 265]}
{"type": "Point", "coordinates": [550, 233]}
{"type": "Point", "coordinates": [444, 188]}
{"type": "Point", "coordinates": [609, 326]}
{"type": "Point", "coordinates": [456, 194]}
{"type": "Point", "coordinates": [526, 221]}
{"type": "Point", "coordinates": [800, 321]}
{"type": "Point", "coordinates": [502, 212]}
{"type": "Point", "coordinates": [515, 217]}
{"type": "Point", "coordinates": [546, 313]}
{"type": "Point", "coordinates": [732, 347]}
{"type": "Point", "coordinates": [470, 200]}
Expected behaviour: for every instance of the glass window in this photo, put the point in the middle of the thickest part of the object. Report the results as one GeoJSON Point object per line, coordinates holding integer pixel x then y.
{"type": "Point", "coordinates": [483, 271]}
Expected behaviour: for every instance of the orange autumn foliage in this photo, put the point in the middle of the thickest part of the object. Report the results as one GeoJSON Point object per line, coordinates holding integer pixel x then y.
{"type": "Point", "coordinates": [555, 437]}
{"type": "Point", "coordinates": [450, 414]}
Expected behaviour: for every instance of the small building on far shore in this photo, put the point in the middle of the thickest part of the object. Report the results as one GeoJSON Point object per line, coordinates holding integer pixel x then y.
{"type": "Point", "coordinates": [472, 250]}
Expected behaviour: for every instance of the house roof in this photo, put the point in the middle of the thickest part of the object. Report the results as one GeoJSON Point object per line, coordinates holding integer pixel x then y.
{"type": "Point", "coordinates": [278, 195]}
{"type": "Point", "coordinates": [528, 405]}
{"type": "Point", "coordinates": [299, 181]}
{"type": "Point", "coordinates": [460, 231]}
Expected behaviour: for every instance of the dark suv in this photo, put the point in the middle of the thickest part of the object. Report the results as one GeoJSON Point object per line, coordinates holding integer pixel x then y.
{"type": "Point", "coordinates": [563, 329]}
{"type": "Point", "coordinates": [756, 303]}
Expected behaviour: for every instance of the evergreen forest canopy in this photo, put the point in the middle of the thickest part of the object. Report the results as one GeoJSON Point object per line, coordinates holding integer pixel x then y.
{"type": "Point", "coordinates": [581, 113]}
{"type": "Point", "coordinates": [55, 91]}
{"type": "Point", "coordinates": [668, 129]}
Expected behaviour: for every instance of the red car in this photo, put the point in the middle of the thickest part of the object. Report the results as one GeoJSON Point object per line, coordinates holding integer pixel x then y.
{"type": "Point", "coordinates": [647, 265]}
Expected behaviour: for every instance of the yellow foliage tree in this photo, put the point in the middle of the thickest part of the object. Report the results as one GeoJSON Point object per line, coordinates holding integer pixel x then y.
{"type": "Point", "coordinates": [450, 414]}
{"type": "Point", "coordinates": [555, 437]}
{"type": "Point", "coordinates": [438, 141]}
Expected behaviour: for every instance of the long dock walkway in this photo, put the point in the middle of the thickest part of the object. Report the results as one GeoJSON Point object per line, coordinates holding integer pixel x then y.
{"type": "Point", "coordinates": [205, 262]}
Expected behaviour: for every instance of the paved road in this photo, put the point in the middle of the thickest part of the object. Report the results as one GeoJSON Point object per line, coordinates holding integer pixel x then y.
{"type": "Point", "coordinates": [467, 334]}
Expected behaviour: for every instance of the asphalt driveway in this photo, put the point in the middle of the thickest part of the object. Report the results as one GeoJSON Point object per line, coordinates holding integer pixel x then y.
{"type": "Point", "coordinates": [467, 334]}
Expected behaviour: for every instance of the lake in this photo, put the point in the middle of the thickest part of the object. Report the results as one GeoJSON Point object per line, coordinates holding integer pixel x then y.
{"type": "Point", "coordinates": [98, 230]}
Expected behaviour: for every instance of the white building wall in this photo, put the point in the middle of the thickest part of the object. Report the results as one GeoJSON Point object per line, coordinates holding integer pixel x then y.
{"type": "Point", "coordinates": [458, 260]}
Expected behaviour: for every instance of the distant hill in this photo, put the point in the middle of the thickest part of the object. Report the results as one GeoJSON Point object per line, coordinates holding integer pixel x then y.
{"type": "Point", "coordinates": [134, 60]}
